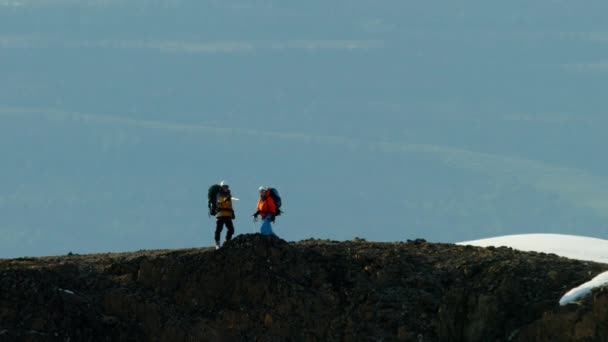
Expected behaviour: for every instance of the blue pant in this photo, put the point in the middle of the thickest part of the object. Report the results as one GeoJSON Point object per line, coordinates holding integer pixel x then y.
{"type": "Point", "coordinates": [266, 227]}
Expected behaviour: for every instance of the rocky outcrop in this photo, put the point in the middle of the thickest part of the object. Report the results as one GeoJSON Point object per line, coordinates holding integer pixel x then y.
{"type": "Point", "coordinates": [259, 288]}
{"type": "Point", "coordinates": [584, 321]}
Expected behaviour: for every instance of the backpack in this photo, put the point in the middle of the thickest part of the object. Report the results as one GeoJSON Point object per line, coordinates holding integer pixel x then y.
{"type": "Point", "coordinates": [211, 198]}
{"type": "Point", "coordinates": [274, 193]}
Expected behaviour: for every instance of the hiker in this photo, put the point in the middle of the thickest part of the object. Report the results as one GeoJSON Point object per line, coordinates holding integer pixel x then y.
{"type": "Point", "coordinates": [267, 209]}
{"type": "Point", "coordinates": [223, 212]}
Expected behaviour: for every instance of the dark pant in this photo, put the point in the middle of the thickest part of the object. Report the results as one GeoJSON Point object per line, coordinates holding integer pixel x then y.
{"type": "Point", "coordinates": [219, 224]}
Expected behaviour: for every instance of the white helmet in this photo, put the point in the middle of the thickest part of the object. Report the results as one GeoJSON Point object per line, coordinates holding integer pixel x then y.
{"type": "Point", "coordinates": [224, 184]}
{"type": "Point", "coordinates": [262, 188]}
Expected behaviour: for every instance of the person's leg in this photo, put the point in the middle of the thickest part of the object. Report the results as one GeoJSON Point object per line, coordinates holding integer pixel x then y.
{"type": "Point", "coordinates": [229, 229]}
{"type": "Point", "coordinates": [218, 230]}
{"type": "Point", "coordinates": [266, 227]}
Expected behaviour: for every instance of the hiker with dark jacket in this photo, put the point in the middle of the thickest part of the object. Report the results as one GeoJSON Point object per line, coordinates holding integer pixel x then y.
{"type": "Point", "coordinates": [224, 213]}
{"type": "Point", "coordinates": [266, 209]}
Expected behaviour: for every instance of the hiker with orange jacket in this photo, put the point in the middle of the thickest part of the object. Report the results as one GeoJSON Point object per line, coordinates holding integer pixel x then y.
{"type": "Point", "coordinates": [267, 209]}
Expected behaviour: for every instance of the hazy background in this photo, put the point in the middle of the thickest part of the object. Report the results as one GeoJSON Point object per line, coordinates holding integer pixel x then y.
{"type": "Point", "coordinates": [386, 120]}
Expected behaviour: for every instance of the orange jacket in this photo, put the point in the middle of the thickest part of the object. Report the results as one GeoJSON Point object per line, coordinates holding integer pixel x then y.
{"type": "Point", "coordinates": [224, 205]}
{"type": "Point", "coordinates": [266, 206]}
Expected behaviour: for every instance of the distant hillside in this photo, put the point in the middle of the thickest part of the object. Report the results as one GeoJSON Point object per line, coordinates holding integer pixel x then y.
{"type": "Point", "coordinates": [259, 288]}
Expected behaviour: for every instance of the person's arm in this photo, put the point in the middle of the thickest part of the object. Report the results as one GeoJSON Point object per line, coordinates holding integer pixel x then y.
{"type": "Point", "coordinates": [258, 209]}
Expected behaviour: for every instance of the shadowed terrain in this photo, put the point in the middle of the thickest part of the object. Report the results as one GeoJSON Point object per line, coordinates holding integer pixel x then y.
{"type": "Point", "coordinates": [266, 289]}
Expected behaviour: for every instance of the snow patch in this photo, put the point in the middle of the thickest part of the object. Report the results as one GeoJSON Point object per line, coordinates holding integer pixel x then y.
{"type": "Point", "coordinates": [66, 291]}
{"type": "Point", "coordinates": [569, 246]}
{"type": "Point", "coordinates": [585, 289]}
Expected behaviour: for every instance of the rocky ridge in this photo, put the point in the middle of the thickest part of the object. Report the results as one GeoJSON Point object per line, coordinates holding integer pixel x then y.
{"type": "Point", "coordinates": [259, 288]}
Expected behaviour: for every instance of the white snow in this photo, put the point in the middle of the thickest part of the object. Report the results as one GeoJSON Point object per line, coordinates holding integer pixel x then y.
{"type": "Point", "coordinates": [66, 291]}
{"type": "Point", "coordinates": [585, 289]}
{"type": "Point", "coordinates": [569, 246]}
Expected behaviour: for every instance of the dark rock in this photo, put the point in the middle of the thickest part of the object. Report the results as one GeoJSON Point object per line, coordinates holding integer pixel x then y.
{"type": "Point", "coordinates": [259, 288]}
